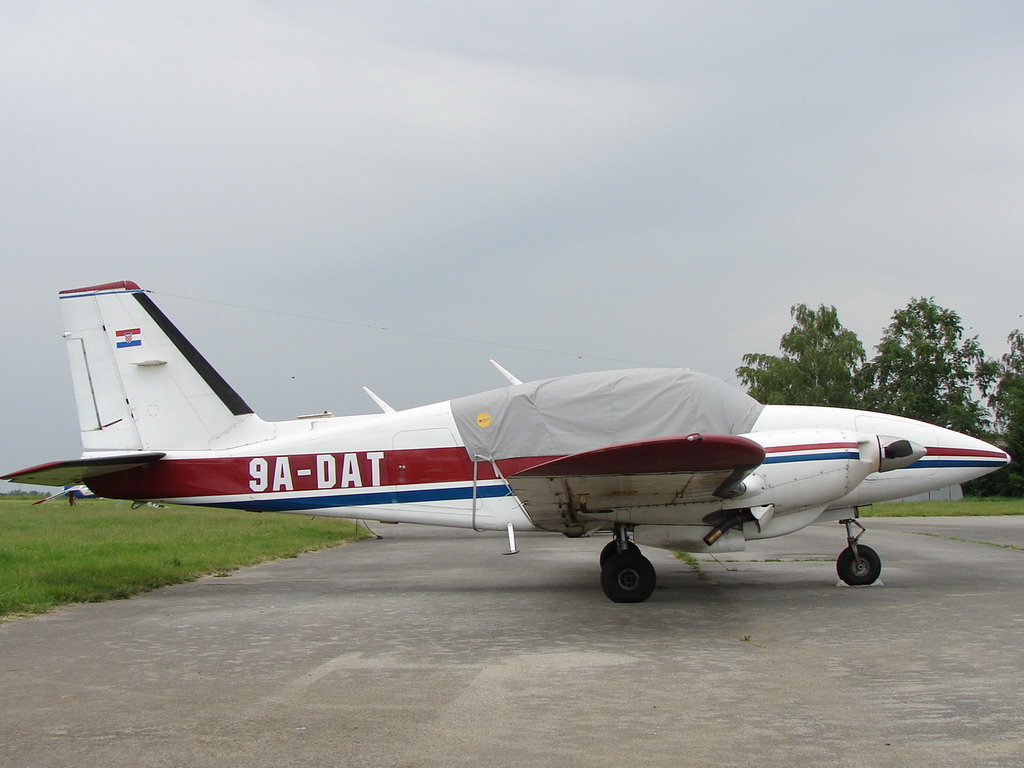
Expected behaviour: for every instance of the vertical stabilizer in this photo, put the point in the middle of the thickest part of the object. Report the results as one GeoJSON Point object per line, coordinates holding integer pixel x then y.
{"type": "Point", "coordinates": [140, 384]}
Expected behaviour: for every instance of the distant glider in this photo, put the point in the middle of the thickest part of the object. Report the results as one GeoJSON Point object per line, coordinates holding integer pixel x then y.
{"type": "Point", "coordinates": [70, 492]}
{"type": "Point", "coordinates": [663, 457]}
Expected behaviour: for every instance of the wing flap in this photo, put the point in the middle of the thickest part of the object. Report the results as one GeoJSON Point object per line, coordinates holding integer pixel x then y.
{"type": "Point", "coordinates": [658, 472]}
{"type": "Point", "coordinates": [78, 471]}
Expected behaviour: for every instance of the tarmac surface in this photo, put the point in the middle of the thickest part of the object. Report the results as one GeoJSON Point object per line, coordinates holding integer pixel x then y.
{"type": "Point", "coordinates": [428, 648]}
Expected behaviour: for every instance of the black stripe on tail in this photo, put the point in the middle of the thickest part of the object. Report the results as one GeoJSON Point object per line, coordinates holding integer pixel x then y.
{"type": "Point", "coordinates": [231, 399]}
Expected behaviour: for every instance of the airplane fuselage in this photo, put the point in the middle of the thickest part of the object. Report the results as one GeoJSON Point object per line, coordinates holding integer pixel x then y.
{"type": "Point", "coordinates": [412, 467]}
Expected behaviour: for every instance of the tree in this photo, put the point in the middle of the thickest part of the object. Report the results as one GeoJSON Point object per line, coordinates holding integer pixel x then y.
{"type": "Point", "coordinates": [925, 369]}
{"type": "Point", "coordinates": [1008, 405]}
{"type": "Point", "coordinates": [818, 366]}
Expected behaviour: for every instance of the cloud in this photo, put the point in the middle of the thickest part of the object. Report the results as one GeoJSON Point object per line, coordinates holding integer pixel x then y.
{"type": "Point", "coordinates": [653, 183]}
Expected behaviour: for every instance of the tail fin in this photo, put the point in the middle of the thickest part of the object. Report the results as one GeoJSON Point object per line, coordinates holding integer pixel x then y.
{"type": "Point", "coordinates": [140, 385]}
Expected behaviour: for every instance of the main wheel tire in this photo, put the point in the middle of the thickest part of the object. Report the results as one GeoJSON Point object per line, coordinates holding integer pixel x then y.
{"type": "Point", "coordinates": [858, 571]}
{"type": "Point", "coordinates": [611, 550]}
{"type": "Point", "coordinates": [628, 577]}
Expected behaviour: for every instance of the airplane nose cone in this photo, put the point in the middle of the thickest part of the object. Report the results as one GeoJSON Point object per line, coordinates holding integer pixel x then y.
{"type": "Point", "coordinates": [985, 456]}
{"type": "Point", "coordinates": [962, 458]}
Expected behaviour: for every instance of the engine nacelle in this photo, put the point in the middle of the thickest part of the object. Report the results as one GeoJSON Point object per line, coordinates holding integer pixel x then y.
{"type": "Point", "coordinates": [810, 467]}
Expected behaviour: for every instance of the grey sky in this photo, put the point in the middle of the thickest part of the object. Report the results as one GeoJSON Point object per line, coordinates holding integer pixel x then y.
{"type": "Point", "coordinates": [655, 182]}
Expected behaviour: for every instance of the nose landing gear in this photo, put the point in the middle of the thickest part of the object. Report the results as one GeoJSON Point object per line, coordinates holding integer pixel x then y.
{"type": "Point", "coordinates": [858, 564]}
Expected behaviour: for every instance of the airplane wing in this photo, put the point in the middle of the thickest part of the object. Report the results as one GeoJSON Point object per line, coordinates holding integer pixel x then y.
{"type": "Point", "coordinates": [662, 471]}
{"type": "Point", "coordinates": [80, 470]}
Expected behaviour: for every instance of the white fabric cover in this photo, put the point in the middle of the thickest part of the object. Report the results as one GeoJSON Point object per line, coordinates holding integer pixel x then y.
{"type": "Point", "coordinates": [570, 414]}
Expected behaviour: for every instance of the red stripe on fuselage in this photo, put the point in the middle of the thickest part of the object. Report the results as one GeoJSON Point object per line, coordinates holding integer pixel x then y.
{"type": "Point", "coordinates": [238, 475]}
{"type": "Point", "coordinates": [808, 447]}
{"type": "Point", "coordinates": [940, 451]}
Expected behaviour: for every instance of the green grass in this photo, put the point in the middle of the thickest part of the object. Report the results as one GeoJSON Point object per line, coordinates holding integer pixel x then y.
{"type": "Point", "coordinates": [54, 554]}
{"type": "Point", "coordinates": [965, 508]}
{"type": "Point", "coordinates": [693, 562]}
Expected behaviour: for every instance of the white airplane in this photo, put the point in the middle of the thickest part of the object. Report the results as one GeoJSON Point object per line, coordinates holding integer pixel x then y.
{"type": "Point", "coordinates": [662, 457]}
{"type": "Point", "coordinates": [70, 492]}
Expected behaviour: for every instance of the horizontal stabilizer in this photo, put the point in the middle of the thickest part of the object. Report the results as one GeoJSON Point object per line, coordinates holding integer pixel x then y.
{"type": "Point", "coordinates": [80, 470]}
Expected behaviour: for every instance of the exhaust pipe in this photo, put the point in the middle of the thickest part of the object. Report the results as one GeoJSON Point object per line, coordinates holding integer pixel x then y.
{"type": "Point", "coordinates": [732, 519]}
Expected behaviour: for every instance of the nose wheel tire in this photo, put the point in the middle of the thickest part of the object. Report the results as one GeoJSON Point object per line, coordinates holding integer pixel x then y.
{"type": "Point", "coordinates": [628, 577]}
{"type": "Point", "coordinates": [860, 568]}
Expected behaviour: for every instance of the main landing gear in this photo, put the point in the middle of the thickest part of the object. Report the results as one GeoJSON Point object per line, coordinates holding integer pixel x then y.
{"type": "Point", "coordinates": [626, 575]}
{"type": "Point", "coordinates": [858, 564]}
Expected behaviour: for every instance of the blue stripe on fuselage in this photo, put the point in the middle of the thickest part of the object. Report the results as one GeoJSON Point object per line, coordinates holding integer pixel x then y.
{"type": "Point", "coordinates": [292, 504]}
{"type": "Point", "coordinates": [923, 463]}
{"type": "Point", "coordinates": [812, 457]}
{"type": "Point", "coordinates": [927, 463]}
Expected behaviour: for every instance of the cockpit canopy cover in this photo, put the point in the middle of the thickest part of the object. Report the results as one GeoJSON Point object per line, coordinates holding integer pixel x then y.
{"type": "Point", "coordinates": [571, 414]}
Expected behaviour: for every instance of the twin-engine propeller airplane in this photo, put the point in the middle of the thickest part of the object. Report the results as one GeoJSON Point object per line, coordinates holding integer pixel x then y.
{"type": "Point", "coordinates": [662, 457]}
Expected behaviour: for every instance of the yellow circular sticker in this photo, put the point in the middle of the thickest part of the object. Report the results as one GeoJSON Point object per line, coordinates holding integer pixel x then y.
{"type": "Point", "coordinates": [483, 420]}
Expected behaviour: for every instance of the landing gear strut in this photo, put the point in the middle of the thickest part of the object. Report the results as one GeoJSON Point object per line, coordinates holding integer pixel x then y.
{"type": "Point", "coordinates": [626, 575]}
{"type": "Point", "coordinates": [858, 564]}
